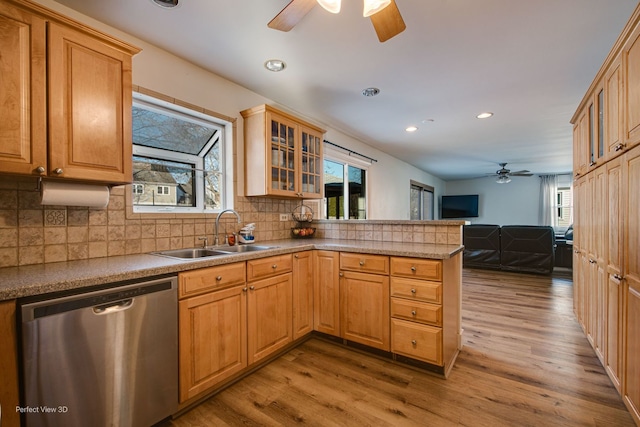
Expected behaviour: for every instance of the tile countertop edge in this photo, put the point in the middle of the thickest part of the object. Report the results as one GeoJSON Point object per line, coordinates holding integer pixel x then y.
{"type": "Point", "coordinates": [39, 279]}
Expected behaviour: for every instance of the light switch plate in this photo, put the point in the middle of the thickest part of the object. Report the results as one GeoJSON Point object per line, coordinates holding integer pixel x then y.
{"type": "Point", "coordinates": [284, 217]}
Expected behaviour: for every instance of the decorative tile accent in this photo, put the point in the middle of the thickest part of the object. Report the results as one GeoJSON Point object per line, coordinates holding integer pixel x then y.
{"type": "Point", "coordinates": [55, 217]}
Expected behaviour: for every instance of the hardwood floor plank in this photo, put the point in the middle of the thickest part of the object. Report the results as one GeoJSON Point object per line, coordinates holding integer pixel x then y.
{"type": "Point", "coordinates": [525, 362]}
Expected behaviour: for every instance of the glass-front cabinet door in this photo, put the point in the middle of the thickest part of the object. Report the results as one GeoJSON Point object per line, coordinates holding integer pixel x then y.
{"type": "Point", "coordinates": [283, 154]}
{"type": "Point", "coordinates": [311, 162]}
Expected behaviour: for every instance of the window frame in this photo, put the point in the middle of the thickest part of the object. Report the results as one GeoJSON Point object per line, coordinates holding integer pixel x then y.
{"type": "Point", "coordinates": [225, 138]}
{"type": "Point", "coordinates": [560, 204]}
{"type": "Point", "coordinates": [424, 188]}
{"type": "Point", "coordinates": [346, 160]}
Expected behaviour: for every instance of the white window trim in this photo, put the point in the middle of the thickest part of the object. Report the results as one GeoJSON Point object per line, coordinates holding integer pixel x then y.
{"type": "Point", "coordinates": [226, 157]}
{"type": "Point", "coordinates": [344, 158]}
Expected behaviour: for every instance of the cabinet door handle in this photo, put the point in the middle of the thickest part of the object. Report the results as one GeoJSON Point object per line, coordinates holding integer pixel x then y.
{"type": "Point", "coordinates": [252, 287]}
{"type": "Point", "coordinates": [592, 164]}
{"type": "Point", "coordinates": [413, 291]}
{"type": "Point", "coordinates": [619, 147]}
{"type": "Point", "coordinates": [244, 289]}
{"type": "Point", "coordinates": [296, 256]}
{"type": "Point", "coordinates": [592, 261]}
{"type": "Point", "coordinates": [341, 274]}
{"type": "Point", "coordinates": [414, 342]}
{"type": "Point", "coordinates": [361, 263]}
{"type": "Point", "coordinates": [41, 169]}
{"type": "Point", "coordinates": [274, 266]}
{"type": "Point", "coordinates": [413, 312]}
{"type": "Point", "coordinates": [413, 268]}
{"type": "Point", "coordinates": [219, 278]}
{"type": "Point", "coordinates": [58, 171]}
{"type": "Point", "coordinates": [617, 277]}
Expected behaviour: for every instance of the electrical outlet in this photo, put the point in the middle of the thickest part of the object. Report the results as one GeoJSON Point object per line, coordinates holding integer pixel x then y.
{"type": "Point", "coordinates": [284, 217]}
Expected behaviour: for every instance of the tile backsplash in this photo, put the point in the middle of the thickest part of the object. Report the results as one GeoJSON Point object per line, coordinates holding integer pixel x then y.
{"type": "Point", "coordinates": [34, 234]}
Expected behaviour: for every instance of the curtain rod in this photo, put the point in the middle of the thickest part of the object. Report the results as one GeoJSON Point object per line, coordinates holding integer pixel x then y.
{"type": "Point", "coordinates": [371, 159]}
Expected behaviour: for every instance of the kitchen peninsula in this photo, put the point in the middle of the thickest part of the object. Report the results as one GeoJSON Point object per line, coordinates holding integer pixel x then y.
{"type": "Point", "coordinates": [413, 288]}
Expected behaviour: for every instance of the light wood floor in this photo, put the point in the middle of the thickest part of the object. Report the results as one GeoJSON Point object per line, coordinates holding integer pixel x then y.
{"type": "Point", "coordinates": [525, 362]}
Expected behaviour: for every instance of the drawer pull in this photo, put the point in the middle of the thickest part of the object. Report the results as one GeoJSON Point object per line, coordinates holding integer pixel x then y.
{"type": "Point", "coordinates": [413, 312]}
{"type": "Point", "coordinates": [252, 287]}
{"type": "Point", "coordinates": [296, 256]}
{"type": "Point", "coordinates": [244, 289]}
{"type": "Point", "coordinates": [219, 278]}
{"type": "Point", "coordinates": [414, 342]}
{"type": "Point", "coordinates": [592, 261]}
{"type": "Point", "coordinates": [341, 274]}
{"type": "Point", "coordinates": [274, 266]}
{"type": "Point", "coordinates": [413, 268]}
{"type": "Point", "coordinates": [413, 291]}
{"type": "Point", "coordinates": [617, 277]}
{"type": "Point", "coordinates": [58, 171]}
{"type": "Point", "coordinates": [41, 169]}
{"type": "Point", "coordinates": [619, 147]}
{"type": "Point", "coordinates": [361, 263]}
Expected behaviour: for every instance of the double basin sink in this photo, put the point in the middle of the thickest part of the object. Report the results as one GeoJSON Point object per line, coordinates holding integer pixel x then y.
{"type": "Point", "coordinates": [193, 253]}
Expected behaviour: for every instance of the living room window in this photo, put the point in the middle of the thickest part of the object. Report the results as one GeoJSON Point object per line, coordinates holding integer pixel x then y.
{"type": "Point", "coordinates": [564, 207]}
{"type": "Point", "coordinates": [421, 201]}
{"type": "Point", "coordinates": [178, 158]}
{"type": "Point", "coordinates": [345, 188]}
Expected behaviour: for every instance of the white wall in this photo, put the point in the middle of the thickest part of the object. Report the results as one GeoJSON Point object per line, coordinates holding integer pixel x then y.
{"type": "Point", "coordinates": [515, 203]}
{"type": "Point", "coordinates": [158, 70]}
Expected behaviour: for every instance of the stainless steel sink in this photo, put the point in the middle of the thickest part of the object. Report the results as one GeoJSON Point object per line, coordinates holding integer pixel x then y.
{"type": "Point", "coordinates": [191, 253]}
{"type": "Point", "coordinates": [194, 253]}
{"type": "Point", "coordinates": [245, 248]}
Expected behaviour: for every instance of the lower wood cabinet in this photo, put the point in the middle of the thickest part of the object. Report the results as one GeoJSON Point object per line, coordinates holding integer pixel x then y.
{"type": "Point", "coordinates": [270, 322]}
{"type": "Point", "coordinates": [213, 339]}
{"type": "Point", "coordinates": [326, 293]}
{"type": "Point", "coordinates": [303, 278]}
{"type": "Point", "coordinates": [364, 309]}
{"type": "Point", "coordinates": [631, 385]}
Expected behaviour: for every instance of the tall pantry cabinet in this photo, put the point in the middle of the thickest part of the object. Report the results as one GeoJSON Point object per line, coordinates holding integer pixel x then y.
{"type": "Point", "coordinates": [606, 148]}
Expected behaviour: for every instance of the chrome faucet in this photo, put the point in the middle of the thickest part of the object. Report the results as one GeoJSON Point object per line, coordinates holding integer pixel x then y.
{"type": "Point", "coordinates": [216, 240]}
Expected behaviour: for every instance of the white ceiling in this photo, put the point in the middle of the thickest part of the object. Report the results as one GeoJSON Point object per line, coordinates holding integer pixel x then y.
{"type": "Point", "coordinates": [529, 62]}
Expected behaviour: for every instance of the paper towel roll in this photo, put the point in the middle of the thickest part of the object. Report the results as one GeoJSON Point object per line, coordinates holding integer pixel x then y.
{"type": "Point", "coordinates": [70, 194]}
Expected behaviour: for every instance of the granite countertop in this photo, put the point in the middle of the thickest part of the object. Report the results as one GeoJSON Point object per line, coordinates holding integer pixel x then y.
{"type": "Point", "coordinates": [16, 282]}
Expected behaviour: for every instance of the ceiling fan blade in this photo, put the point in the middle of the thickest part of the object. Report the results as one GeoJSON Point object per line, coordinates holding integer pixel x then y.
{"type": "Point", "coordinates": [291, 14]}
{"type": "Point", "coordinates": [388, 22]}
{"type": "Point", "coordinates": [521, 173]}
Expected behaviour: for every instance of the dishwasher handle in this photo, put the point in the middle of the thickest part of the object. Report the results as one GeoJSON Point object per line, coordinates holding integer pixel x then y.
{"type": "Point", "coordinates": [100, 310]}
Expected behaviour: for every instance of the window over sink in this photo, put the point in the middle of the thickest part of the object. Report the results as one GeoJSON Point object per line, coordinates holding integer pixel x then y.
{"type": "Point", "coordinates": [181, 158]}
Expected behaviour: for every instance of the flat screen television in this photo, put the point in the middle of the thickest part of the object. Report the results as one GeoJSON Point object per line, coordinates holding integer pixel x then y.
{"type": "Point", "coordinates": [465, 206]}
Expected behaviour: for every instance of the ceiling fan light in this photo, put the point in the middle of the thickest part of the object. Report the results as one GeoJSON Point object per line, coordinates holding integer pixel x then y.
{"type": "Point", "coordinates": [332, 6]}
{"type": "Point", "coordinates": [374, 6]}
{"type": "Point", "coordinates": [503, 179]}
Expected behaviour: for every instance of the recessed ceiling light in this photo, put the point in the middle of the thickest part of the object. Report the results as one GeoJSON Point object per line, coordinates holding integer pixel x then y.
{"type": "Point", "coordinates": [275, 65]}
{"type": "Point", "coordinates": [484, 115]}
{"type": "Point", "coordinates": [371, 91]}
{"type": "Point", "coordinates": [411, 129]}
{"type": "Point", "coordinates": [167, 4]}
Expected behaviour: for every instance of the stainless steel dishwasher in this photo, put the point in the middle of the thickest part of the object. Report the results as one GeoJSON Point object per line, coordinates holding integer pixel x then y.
{"type": "Point", "coordinates": [104, 358]}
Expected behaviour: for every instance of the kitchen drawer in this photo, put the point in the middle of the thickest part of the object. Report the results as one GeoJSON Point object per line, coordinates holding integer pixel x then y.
{"type": "Point", "coordinates": [418, 290]}
{"type": "Point", "coordinates": [205, 279]}
{"type": "Point", "coordinates": [416, 311]}
{"type": "Point", "coordinates": [416, 340]}
{"type": "Point", "coordinates": [365, 263]}
{"type": "Point", "coordinates": [417, 268]}
{"type": "Point", "coordinates": [269, 267]}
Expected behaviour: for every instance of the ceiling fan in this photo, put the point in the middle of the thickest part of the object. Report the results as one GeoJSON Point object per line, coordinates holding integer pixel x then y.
{"type": "Point", "coordinates": [384, 14]}
{"type": "Point", "coordinates": [504, 175]}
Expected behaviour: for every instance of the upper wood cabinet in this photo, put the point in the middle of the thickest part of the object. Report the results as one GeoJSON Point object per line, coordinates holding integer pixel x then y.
{"type": "Point", "coordinates": [66, 98]}
{"type": "Point", "coordinates": [283, 155]}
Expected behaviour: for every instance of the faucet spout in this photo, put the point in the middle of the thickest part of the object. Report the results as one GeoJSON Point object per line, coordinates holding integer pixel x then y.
{"type": "Point", "coordinates": [216, 240]}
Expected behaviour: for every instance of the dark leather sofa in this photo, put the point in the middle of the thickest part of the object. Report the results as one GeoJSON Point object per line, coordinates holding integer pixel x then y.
{"type": "Point", "coordinates": [519, 248]}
